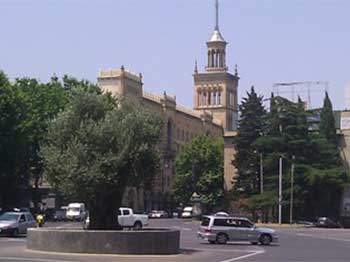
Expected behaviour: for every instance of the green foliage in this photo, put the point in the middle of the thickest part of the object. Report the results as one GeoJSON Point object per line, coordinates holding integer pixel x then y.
{"type": "Point", "coordinates": [26, 107]}
{"type": "Point", "coordinates": [199, 168]}
{"type": "Point", "coordinates": [96, 148]}
{"type": "Point", "coordinates": [327, 124]}
{"type": "Point", "coordinates": [319, 178]}
{"type": "Point", "coordinates": [251, 127]}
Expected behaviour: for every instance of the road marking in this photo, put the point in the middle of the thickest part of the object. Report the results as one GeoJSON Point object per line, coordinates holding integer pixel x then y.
{"type": "Point", "coordinates": [31, 259]}
{"type": "Point", "coordinates": [182, 228]}
{"type": "Point", "coordinates": [324, 238]}
{"type": "Point", "coordinates": [245, 256]}
{"type": "Point", "coordinates": [13, 240]}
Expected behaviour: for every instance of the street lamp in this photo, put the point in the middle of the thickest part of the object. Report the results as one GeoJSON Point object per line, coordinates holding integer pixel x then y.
{"type": "Point", "coordinates": [291, 191]}
{"type": "Point", "coordinates": [280, 192]}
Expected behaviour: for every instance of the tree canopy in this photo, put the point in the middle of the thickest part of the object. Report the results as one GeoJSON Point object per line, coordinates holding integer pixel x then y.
{"type": "Point", "coordinates": [199, 169]}
{"type": "Point", "coordinates": [96, 148]}
{"type": "Point", "coordinates": [319, 177]}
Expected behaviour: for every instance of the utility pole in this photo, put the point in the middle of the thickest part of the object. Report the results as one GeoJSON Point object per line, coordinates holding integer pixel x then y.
{"type": "Point", "coordinates": [261, 175]}
{"type": "Point", "coordinates": [291, 191]}
{"type": "Point", "coordinates": [280, 193]}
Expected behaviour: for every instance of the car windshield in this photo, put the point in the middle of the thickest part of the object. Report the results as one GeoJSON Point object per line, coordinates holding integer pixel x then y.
{"type": "Point", "coordinates": [9, 216]}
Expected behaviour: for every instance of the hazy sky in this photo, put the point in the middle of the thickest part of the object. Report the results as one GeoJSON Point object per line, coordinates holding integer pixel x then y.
{"type": "Point", "coordinates": [271, 41]}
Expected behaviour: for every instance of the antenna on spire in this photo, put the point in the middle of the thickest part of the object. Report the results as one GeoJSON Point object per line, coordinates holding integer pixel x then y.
{"type": "Point", "coordinates": [217, 15]}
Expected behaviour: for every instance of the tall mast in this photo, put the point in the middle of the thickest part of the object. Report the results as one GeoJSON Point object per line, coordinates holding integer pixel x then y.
{"type": "Point", "coordinates": [217, 15]}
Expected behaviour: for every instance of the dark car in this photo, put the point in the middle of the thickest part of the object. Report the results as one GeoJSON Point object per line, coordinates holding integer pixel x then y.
{"type": "Point", "coordinates": [327, 222]}
{"type": "Point", "coordinates": [59, 215]}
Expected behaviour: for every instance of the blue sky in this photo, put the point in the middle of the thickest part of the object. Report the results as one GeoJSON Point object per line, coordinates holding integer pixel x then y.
{"type": "Point", "coordinates": [270, 40]}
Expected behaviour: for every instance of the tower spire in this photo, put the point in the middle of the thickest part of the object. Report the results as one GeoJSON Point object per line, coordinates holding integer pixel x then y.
{"type": "Point", "coordinates": [217, 15]}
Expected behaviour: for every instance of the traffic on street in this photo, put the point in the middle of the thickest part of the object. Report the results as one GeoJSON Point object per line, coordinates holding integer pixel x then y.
{"type": "Point", "coordinates": [294, 244]}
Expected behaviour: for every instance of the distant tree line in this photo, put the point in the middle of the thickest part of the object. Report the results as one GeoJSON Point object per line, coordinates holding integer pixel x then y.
{"type": "Point", "coordinates": [286, 131]}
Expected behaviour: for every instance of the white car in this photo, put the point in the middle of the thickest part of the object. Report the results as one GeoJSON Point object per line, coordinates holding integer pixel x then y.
{"type": "Point", "coordinates": [187, 212]}
{"type": "Point", "coordinates": [76, 211]}
{"type": "Point", "coordinates": [216, 229]}
{"type": "Point", "coordinates": [127, 218]}
{"type": "Point", "coordinates": [14, 223]}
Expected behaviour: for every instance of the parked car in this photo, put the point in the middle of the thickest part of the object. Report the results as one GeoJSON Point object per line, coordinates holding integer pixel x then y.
{"type": "Point", "coordinates": [14, 223]}
{"type": "Point", "coordinates": [59, 215]}
{"type": "Point", "coordinates": [327, 222]}
{"type": "Point", "coordinates": [216, 229]}
{"type": "Point", "coordinates": [158, 214]}
{"type": "Point", "coordinates": [76, 212]}
{"type": "Point", "coordinates": [126, 218]}
{"type": "Point", "coordinates": [187, 212]}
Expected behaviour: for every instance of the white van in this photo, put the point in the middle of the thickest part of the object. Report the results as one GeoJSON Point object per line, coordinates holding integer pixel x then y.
{"type": "Point", "coordinates": [187, 212]}
{"type": "Point", "coordinates": [76, 211]}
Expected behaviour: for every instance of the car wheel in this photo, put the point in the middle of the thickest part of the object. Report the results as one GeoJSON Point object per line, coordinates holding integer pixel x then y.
{"type": "Point", "coordinates": [221, 238]}
{"type": "Point", "coordinates": [137, 225]}
{"type": "Point", "coordinates": [211, 241]}
{"type": "Point", "coordinates": [265, 239]}
{"type": "Point", "coordinates": [15, 232]}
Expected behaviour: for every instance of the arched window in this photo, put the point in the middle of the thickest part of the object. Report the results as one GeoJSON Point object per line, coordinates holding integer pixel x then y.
{"type": "Point", "coordinates": [219, 98]}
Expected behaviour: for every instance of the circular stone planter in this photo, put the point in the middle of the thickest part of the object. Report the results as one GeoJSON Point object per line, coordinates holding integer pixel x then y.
{"type": "Point", "coordinates": [141, 242]}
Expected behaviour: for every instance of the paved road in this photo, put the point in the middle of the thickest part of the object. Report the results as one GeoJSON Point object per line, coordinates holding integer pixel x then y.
{"type": "Point", "coordinates": [303, 244]}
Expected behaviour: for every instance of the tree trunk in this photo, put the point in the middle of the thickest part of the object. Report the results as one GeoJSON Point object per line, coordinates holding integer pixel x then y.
{"type": "Point", "coordinates": [103, 213]}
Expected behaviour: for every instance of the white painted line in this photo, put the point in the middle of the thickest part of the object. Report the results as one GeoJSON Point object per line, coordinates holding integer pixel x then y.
{"type": "Point", "coordinates": [245, 256]}
{"type": "Point", "coordinates": [13, 240]}
{"type": "Point", "coordinates": [32, 259]}
{"type": "Point", "coordinates": [182, 228]}
{"type": "Point", "coordinates": [325, 238]}
{"type": "Point", "coordinates": [225, 250]}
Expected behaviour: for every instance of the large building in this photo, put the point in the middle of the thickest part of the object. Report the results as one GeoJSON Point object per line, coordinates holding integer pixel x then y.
{"type": "Point", "coordinates": [214, 112]}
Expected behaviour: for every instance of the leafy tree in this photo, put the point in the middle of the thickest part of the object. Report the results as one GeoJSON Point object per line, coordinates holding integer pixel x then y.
{"type": "Point", "coordinates": [96, 148]}
{"type": "Point", "coordinates": [327, 124]}
{"type": "Point", "coordinates": [319, 178]}
{"type": "Point", "coordinates": [13, 177]}
{"type": "Point", "coordinates": [42, 103]}
{"type": "Point", "coordinates": [199, 168]}
{"type": "Point", "coordinates": [251, 127]}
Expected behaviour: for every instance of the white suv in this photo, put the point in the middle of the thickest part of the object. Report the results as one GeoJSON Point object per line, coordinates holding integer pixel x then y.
{"type": "Point", "coordinates": [222, 229]}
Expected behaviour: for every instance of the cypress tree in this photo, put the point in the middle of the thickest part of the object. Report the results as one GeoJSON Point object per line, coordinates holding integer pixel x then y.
{"type": "Point", "coordinates": [327, 124]}
{"type": "Point", "coordinates": [251, 127]}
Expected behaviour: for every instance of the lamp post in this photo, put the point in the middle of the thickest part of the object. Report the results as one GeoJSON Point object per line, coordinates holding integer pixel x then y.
{"type": "Point", "coordinates": [261, 175]}
{"type": "Point", "coordinates": [280, 193]}
{"type": "Point", "coordinates": [291, 191]}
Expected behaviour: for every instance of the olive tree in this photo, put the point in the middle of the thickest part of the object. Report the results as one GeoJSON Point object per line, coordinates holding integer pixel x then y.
{"type": "Point", "coordinates": [96, 148]}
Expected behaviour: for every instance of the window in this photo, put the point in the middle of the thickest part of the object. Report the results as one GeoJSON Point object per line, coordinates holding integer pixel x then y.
{"type": "Point", "coordinates": [244, 223]}
{"type": "Point", "coordinates": [126, 212]}
{"type": "Point", "coordinates": [220, 222]}
{"type": "Point", "coordinates": [22, 218]}
{"type": "Point", "coordinates": [232, 99]}
{"type": "Point", "coordinates": [205, 221]}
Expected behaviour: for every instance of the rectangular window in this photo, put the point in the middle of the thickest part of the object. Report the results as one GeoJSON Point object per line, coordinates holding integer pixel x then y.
{"type": "Point", "coordinates": [232, 99]}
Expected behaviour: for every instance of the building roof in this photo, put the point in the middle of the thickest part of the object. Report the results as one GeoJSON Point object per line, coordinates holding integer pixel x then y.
{"type": "Point", "coordinates": [216, 37]}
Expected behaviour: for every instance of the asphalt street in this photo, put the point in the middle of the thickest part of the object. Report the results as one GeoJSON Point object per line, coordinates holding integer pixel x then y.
{"type": "Point", "coordinates": [296, 244]}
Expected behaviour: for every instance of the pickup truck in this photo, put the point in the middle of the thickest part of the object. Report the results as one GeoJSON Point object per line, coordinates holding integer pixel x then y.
{"type": "Point", "coordinates": [127, 218]}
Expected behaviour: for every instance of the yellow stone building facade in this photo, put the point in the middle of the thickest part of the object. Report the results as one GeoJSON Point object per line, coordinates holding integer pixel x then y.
{"type": "Point", "coordinates": [214, 112]}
